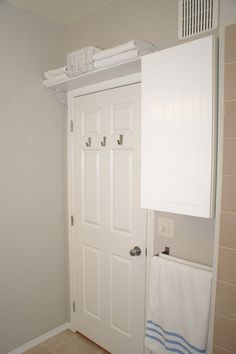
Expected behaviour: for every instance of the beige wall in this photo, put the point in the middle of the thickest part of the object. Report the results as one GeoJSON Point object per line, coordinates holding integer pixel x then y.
{"type": "Point", "coordinates": [225, 317]}
{"type": "Point", "coordinates": [156, 21]}
{"type": "Point", "coordinates": [122, 20]}
{"type": "Point", "coordinates": [32, 181]}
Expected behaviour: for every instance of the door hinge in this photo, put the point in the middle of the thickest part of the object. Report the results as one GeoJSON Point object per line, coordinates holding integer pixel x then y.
{"type": "Point", "coordinates": [73, 306]}
{"type": "Point", "coordinates": [145, 252]}
{"type": "Point", "coordinates": [71, 126]}
{"type": "Point", "coordinates": [72, 220]}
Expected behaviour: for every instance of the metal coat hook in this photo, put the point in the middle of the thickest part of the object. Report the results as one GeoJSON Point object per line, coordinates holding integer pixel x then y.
{"type": "Point", "coordinates": [88, 143]}
{"type": "Point", "coordinates": [103, 142]}
{"type": "Point", "coordinates": [120, 140]}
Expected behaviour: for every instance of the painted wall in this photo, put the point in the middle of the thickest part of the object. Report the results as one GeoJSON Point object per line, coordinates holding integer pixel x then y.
{"type": "Point", "coordinates": [32, 181]}
{"type": "Point", "coordinates": [156, 21]}
{"type": "Point", "coordinates": [122, 20]}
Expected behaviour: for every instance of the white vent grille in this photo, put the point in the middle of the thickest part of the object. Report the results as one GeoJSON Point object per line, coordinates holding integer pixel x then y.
{"type": "Point", "coordinates": [197, 16]}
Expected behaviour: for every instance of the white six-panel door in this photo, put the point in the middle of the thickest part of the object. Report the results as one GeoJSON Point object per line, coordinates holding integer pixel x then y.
{"type": "Point", "coordinates": [110, 283]}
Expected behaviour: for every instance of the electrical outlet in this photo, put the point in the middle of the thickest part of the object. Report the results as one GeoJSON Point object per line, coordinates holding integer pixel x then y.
{"type": "Point", "coordinates": [165, 227]}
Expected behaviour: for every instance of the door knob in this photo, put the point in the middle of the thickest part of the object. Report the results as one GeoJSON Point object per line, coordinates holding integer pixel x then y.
{"type": "Point", "coordinates": [136, 251]}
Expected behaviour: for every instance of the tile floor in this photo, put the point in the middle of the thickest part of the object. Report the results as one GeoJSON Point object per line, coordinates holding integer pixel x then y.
{"type": "Point", "coordinates": [67, 343]}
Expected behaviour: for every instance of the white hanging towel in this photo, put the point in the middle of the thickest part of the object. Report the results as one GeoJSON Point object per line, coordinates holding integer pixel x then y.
{"type": "Point", "coordinates": [125, 47]}
{"type": "Point", "coordinates": [120, 58]}
{"type": "Point", "coordinates": [80, 61]}
{"type": "Point", "coordinates": [179, 308]}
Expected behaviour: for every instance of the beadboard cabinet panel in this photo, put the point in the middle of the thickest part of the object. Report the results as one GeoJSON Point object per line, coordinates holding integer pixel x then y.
{"type": "Point", "coordinates": [178, 129]}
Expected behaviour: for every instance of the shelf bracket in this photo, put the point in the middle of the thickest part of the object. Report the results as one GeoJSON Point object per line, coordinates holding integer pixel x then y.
{"type": "Point", "coordinates": [62, 96]}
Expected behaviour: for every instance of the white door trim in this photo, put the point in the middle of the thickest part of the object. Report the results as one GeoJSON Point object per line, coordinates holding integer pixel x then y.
{"type": "Point", "coordinates": [150, 253]}
{"type": "Point", "coordinates": [105, 85]}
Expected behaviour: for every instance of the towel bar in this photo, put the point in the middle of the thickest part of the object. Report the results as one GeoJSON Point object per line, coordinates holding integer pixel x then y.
{"type": "Point", "coordinates": [167, 251]}
{"type": "Point", "coordinates": [166, 254]}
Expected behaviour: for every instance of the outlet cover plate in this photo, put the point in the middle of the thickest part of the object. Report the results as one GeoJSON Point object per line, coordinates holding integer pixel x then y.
{"type": "Point", "coordinates": [165, 227]}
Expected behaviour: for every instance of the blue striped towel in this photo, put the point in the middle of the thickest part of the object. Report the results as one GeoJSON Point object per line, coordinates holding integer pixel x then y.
{"type": "Point", "coordinates": [179, 307]}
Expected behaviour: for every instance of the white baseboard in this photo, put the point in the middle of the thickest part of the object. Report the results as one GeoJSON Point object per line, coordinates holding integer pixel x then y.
{"type": "Point", "coordinates": [41, 339]}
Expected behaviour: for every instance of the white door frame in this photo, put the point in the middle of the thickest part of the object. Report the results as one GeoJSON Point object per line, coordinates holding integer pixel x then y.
{"type": "Point", "coordinates": [105, 85]}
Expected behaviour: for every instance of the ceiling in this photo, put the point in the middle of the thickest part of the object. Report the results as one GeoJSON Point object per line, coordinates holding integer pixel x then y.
{"type": "Point", "coordinates": [63, 12]}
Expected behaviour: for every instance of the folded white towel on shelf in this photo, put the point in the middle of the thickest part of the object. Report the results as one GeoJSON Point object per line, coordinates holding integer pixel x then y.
{"type": "Point", "coordinates": [120, 58]}
{"type": "Point", "coordinates": [80, 61]}
{"type": "Point", "coordinates": [134, 44]}
{"type": "Point", "coordinates": [55, 72]}
{"type": "Point", "coordinates": [179, 307]}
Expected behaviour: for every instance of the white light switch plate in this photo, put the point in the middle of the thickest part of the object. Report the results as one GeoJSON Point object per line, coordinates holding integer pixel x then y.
{"type": "Point", "coordinates": [165, 227]}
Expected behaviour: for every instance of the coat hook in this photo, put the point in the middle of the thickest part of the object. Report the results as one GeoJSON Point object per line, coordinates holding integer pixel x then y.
{"type": "Point", "coordinates": [88, 143]}
{"type": "Point", "coordinates": [120, 140]}
{"type": "Point", "coordinates": [103, 142]}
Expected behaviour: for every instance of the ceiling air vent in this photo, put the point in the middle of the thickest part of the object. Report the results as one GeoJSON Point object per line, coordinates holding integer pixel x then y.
{"type": "Point", "coordinates": [197, 16]}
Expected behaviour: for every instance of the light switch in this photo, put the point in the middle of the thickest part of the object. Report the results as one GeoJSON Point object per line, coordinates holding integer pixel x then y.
{"type": "Point", "coordinates": [165, 227]}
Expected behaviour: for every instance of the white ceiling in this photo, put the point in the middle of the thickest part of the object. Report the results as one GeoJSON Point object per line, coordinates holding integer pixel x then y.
{"type": "Point", "coordinates": [63, 12]}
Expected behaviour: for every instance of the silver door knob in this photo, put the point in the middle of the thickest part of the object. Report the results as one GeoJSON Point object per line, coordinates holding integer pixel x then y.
{"type": "Point", "coordinates": [136, 251]}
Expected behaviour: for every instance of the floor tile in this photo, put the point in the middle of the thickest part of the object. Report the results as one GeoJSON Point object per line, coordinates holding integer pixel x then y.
{"type": "Point", "coordinates": [67, 343]}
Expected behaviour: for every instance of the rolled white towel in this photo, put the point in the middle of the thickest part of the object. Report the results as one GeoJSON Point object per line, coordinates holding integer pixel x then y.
{"type": "Point", "coordinates": [120, 58]}
{"type": "Point", "coordinates": [125, 47]}
{"type": "Point", "coordinates": [55, 72]}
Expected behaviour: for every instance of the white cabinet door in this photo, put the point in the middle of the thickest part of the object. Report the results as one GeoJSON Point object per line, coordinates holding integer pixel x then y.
{"type": "Point", "coordinates": [110, 283]}
{"type": "Point", "coordinates": [178, 129]}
